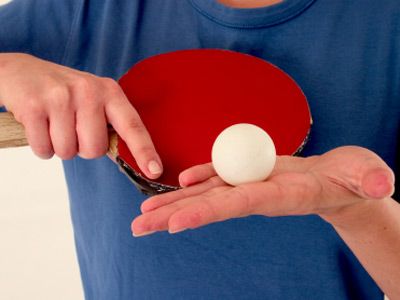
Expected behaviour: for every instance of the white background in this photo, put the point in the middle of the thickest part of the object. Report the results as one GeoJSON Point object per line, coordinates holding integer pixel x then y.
{"type": "Point", "coordinates": [37, 255]}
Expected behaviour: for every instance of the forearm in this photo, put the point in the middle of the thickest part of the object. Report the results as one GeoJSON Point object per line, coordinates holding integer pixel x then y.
{"type": "Point", "coordinates": [372, 231]}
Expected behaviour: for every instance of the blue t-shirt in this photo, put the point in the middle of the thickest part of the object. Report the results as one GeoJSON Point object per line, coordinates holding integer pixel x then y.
{"type": "Point", "coordinates": [346, 57]}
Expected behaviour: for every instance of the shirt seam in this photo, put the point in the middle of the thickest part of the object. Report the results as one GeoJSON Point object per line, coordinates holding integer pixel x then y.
{"type": "Point", "coordinates": [249, 26]}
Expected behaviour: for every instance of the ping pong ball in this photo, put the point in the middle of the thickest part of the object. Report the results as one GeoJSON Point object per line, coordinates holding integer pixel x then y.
{"type": "Point", "coordinates": [243, 153]}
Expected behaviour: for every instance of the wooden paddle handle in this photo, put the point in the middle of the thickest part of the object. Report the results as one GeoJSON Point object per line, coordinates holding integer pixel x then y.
{"type": "Point", "coordinates": [12, 133]}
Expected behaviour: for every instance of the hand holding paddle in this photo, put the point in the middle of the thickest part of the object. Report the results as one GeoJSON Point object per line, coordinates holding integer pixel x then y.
{"type": "Point", "coordinates": [185, 99]}
{"type": "Point", "coordinates": [66, 112]}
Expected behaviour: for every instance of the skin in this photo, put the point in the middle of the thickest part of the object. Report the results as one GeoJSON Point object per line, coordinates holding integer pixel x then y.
{"type": "Point", "coordinates": [349, 187]}
{"type": "Point", "coordinates": [66, 112]}
{"type": "Point", "coordinates": [249, 3]}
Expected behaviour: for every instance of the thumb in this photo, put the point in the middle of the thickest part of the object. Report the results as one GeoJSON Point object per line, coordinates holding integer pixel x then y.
{"type": "Point", "coordinates": [378, 183]}
{"type": "Point", "coordinates": [361, 171]}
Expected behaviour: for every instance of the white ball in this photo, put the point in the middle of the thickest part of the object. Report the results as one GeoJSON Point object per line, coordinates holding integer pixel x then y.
{"type": "Point", "coordinates": [243, 153]}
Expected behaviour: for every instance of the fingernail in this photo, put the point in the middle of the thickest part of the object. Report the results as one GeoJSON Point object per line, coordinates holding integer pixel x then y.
{"type": "Point", "coordinates": [172, 231]}
{"type": "Point", "coordinates": [142, 234]}
{"type": "Point", "coordinates": [155, 168]}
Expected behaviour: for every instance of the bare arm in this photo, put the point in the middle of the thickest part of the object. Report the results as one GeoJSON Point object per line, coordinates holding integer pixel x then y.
{"type": "Point", "coordinates": [372, 231]}
{"type": "Point", "coordinates": [66, 111]}
{"type": "Point", "coordinates": [349, 187]}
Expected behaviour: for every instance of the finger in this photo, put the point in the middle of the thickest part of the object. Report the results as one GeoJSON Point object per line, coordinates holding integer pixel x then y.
{"type": "Point", "coordinates": [37, 134]}
{"type": "Point", "coordinates": [126, 121]}
{"type": "Point", "coordinates": [167, 198]}
{"type": "Point", "coordinates": [283, 164]}
{"type": "Point", "coordinates": [91, 127]}
{"type": "Point", "coordinates": [378, 183]}
{"type": "Point", "coordinates": [153, 221]}
{"type": "Point", "coordinates": [157, 220]}
{"type": "Point", "coordinates": [63, 134]}
{"type": "Point", "coordinates": [295, 194]}
{"type": "Point", "coordinates": [358, 170]}
{"type": "Point", "coordinates": [196, 174]}
{"type": "Point", "coordinates": [205, 209]}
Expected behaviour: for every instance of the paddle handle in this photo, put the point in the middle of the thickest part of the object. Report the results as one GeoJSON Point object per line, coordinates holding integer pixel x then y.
{"type": "Point", "coordinates": [12, 133]}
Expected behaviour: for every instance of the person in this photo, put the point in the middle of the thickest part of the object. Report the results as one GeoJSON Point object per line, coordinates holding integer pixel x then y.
{"type": "Point", "coordinates": [324, 226]}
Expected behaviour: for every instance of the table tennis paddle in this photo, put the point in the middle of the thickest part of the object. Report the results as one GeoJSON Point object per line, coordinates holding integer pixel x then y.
{"type": "Point", "coordinates": [186, 98]}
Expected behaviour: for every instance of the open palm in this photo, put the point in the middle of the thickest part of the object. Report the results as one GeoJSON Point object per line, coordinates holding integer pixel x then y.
{"type": "Point", "coordinates": [324, 185]}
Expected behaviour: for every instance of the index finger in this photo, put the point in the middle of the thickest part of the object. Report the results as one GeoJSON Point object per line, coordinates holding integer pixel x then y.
{"type": "Point", "coordinates": [127, 123]}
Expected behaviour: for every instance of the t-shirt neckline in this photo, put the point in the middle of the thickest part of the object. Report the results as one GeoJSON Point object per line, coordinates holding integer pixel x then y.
{"type": "Point", "coordinates": [251, 17]}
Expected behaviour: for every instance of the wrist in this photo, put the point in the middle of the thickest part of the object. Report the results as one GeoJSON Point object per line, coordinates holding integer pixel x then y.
{"type": "Point", "coordinates": [359, 216]}
{"type": "Point", "coordinates": [7, 60]}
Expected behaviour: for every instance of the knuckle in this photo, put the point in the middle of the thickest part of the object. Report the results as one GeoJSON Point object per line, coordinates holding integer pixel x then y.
{"type": "Point", "coordinates": [134, 125]}
{"type": "Point", "coordinates": [158, 225]}
{"type": "Point", "coordinates": [145, 152]}
{"type": "Point", "coordinates": [32, 103]}
{"type": "Point", "coordinates": [59, 98]}
{"type": "Point", "coordinates": [195, 219]}
{"type": "Point", "coordinates": [82, 83]}
{"type": "Point", "coordinates": [43, 151]}
{"type": "Point", "coordinates": [57, 91]}
{"type": "Point", "coordinates": [98, 151]}
{"type": "Point", "coordinates": [85, 87]}
{"type": "Point", "coordinates": [111, 86]}
{"type": "Point", "coordinates": [66, 153]}
{"type": "Point", "coordinates": [204, 213]}
{"type": "Point", "coordinates": [93, 152]}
